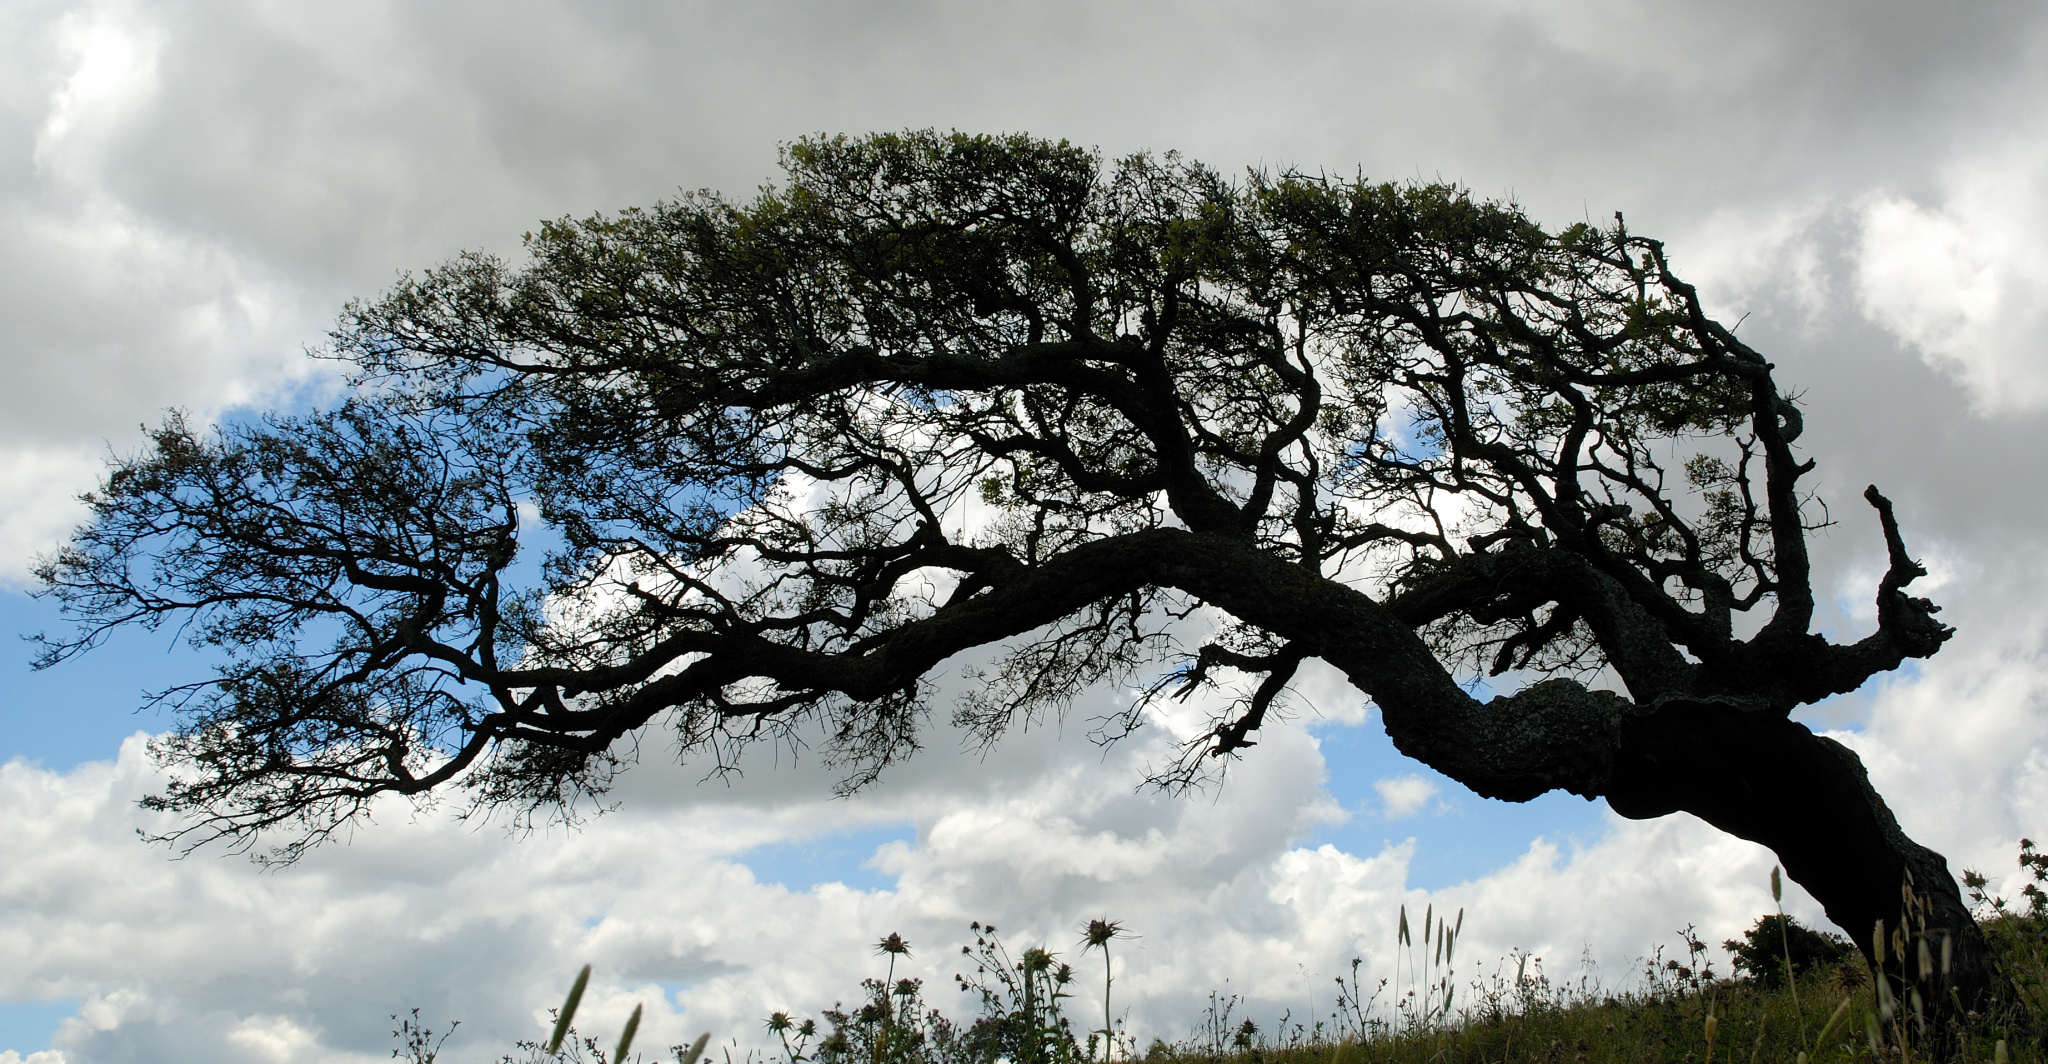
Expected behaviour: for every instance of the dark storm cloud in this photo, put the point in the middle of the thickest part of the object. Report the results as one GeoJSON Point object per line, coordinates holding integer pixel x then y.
{"type": "Point", "coordinates": [193, 190]}
{"type": "Point", "coordinates": [310, 152]}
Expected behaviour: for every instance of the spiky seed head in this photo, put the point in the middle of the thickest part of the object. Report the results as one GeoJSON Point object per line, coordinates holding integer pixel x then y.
{"type": "Point", "coordinates": [1777, 886]}
{"type": "Point", "coordinates": [779, 1022]}
{"type": "Point", "coordinates": [1099, 932]}
{"type": "Point", "coordinates": [697, 1047]}
{"type": "Point", "coordinates": [893, 945]}
{"type": "Point", "coordinates": [1713, 1028]}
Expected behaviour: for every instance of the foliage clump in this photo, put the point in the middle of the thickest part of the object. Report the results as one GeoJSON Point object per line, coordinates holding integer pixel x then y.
{"type": "Point", "coordinates": [2018, 934]}
{"type": "Point", "coordinates": [1776, 942]}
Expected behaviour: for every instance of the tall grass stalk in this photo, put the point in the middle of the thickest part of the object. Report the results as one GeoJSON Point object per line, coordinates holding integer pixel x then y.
{"type": "Point", "coordinates": [1785, 937]}
{"type": "Point", "coordinates": [568, 1013]}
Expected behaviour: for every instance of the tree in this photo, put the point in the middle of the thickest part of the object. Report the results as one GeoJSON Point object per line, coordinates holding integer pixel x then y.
{"type": "Point", "coordinates": [1403, 431]}
{"type": "Point", "coordinates": [1777, 949]}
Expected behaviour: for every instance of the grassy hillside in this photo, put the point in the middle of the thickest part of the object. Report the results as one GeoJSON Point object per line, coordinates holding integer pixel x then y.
{"type": "Point", "coordinates": [1796, 996]}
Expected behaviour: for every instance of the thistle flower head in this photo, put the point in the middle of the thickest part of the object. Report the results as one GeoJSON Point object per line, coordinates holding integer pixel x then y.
{"type": "Point", "coordinates": [893, 945]}
{"type": "Point", "coordinates": [1099, 932]}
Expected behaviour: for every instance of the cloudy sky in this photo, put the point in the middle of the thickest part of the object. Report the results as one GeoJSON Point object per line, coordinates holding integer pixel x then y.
{"type": "Point", "coordinates": [189, 192]}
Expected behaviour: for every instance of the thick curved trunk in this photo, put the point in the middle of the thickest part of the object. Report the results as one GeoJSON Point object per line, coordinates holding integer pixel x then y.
{"type": "Point", "coordinates": [1808, 799]}
{"type": "Point", "coordinates": [1743, 768]}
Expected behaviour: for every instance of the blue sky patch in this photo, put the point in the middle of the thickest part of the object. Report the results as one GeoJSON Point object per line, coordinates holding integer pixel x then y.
{"type": "Point", "coordinates": [842, 857]}
{"type": "Point", "coordinates": [1459, 836]}
{"type": "Point", "coordinates": [80, 710]}
{"type": "Point", "coordinates": [27, 1026]}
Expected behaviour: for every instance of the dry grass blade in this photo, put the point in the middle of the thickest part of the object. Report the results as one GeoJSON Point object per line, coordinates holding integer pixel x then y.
{"type": "Point", "coordinates": [626, 1037]}
{"type": "Point", "coordinates": [568, 1012]}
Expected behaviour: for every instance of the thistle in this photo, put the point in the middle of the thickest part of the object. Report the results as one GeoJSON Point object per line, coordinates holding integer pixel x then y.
{"type": "Point", "coordinates": [1098, 933]}
{"type": "Point", "coordinates": [893, 947]}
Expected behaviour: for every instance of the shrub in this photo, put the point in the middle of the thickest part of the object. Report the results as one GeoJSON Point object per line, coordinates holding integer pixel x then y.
{"type": "Point", "coordinates": [1761, 952]}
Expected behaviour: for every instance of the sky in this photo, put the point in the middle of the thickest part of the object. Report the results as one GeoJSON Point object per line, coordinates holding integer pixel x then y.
{"type": "Point", "coordinates": [189, 193]}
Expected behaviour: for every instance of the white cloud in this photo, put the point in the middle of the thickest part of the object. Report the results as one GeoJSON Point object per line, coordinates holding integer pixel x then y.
{"type": "Point", "coordinates": [206, 959]}
{"type": "Point", "coordinates": [113, 72]}
{"type": "Point", "coordinates": [1965, 280]}
{"type": "Point", "coordinates": [1404, 795]}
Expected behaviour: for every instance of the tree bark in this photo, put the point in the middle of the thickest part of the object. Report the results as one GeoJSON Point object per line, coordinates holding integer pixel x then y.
{"type": "Point", "coordinates": [1807, 798]}
{"type": "Point", "coordinates": [1748, 771]}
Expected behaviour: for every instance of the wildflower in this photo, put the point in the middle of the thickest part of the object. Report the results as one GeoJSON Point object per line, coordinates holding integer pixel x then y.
{"type": "Point", "coordinates": [1099, 932]}
{"type": "Point", "coordinates": [893, 947]}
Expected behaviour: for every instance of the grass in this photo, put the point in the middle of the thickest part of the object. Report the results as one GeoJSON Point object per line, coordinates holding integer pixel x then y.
{"type": "Point", "coordinates": [1515, 1015]}
{"type": "Point", "coordinates": [1818, 1005]}
{"type": "Point", "coordinates": [1519, 1016]}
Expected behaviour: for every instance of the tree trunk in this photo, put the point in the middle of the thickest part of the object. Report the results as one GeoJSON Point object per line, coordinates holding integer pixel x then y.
{"type": "Point", "coordinates": [1808, 798]}
{"type": "Point", "coordinates": [1749, 772]}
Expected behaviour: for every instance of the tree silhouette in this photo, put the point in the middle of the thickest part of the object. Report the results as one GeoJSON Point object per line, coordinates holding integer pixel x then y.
{"type": "Point", "coordinates": [1391, 427]}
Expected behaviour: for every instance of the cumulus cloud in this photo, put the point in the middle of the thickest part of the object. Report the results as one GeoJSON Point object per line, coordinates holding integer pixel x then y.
{"type": "Point", "coordinates": [1965, 279]}
{"type": "Point", "coordinates": [1404, 795]}
{"type": "Point", "coordinates": [204, 959]}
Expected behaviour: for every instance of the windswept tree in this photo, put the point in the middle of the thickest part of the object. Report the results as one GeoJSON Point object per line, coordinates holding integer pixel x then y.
{"type": "Point", "coordinates": [937, 395]}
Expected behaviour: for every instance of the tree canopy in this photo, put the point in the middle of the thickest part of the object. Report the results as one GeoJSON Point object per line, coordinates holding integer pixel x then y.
{"type": "Point", "coordinates": [783, 458]}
